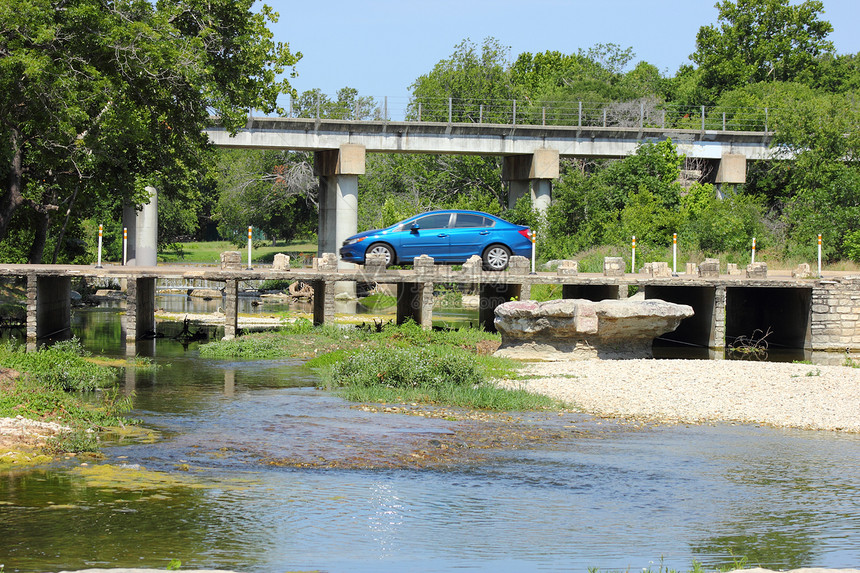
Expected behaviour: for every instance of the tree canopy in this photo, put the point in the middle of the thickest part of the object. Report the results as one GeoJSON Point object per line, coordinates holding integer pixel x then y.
{"type": "Point", "coordinates": [761, 40]}
{"type": "Point", "coordinates": [99, 99]}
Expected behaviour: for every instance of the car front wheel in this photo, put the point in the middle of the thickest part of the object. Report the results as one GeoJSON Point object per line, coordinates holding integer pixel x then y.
{"type": "Point", "coordinates": [496, 258]}
{"type": "Point", "coordinates": [382, 249]}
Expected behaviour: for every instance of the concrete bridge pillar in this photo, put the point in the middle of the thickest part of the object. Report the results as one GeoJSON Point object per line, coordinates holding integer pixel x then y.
{"type": "Point", "coordinates": [731, 169]}
{"type": "Point", "coordinates": [338, 170]}
{"type": "Point", "coordinates": [142, 228]}
{"type": "Point", "coordinates": [539, 169]}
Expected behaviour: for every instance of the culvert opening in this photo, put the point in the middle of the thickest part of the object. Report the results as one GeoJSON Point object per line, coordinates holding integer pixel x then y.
{"type": "Point", "coordinates": [594, 293]}
{"type": "Point", "coordinates": [695, 331]}
{"type": "Point", "coordinates": [782, 314]}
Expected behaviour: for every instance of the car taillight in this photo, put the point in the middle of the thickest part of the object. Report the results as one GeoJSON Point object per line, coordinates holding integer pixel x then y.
{"type": "Point", "coordinates": [526, 233]}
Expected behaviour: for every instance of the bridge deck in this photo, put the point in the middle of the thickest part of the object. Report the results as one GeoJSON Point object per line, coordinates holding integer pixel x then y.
{"type": "Point", "coordinates": [440, 274]}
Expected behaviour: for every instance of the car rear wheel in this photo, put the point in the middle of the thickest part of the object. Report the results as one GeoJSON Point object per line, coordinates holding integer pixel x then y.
{"type": "Point", "coordinates": [382, 249]}
{"type": "Point", "coordinates": [496, 258]}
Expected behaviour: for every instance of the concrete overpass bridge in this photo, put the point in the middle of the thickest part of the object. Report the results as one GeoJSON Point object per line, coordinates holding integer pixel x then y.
{"type": "Point", "coordinates": [530, 153]}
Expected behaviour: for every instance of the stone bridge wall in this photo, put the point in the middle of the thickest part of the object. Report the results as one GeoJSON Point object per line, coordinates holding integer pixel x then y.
{"type": "Point", "coordinates": [836, 314]}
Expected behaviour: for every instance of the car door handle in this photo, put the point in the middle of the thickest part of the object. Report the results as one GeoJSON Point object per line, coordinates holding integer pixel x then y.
{"type": "Point", "coordinates": [484, 233]}
{"type": "Point", "coordinates": [440, 235]}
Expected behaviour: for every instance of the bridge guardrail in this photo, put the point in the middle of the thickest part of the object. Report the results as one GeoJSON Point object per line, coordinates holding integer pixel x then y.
{"type": "Point", "coordinates": [641, 113]}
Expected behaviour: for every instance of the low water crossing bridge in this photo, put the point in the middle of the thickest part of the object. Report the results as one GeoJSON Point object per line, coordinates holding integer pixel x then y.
{"type": "Point", "coordinates": [812, 314]}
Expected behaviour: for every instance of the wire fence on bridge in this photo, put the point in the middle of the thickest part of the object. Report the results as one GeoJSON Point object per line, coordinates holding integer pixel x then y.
{"type": "Point", "coordinates": [642, 113]}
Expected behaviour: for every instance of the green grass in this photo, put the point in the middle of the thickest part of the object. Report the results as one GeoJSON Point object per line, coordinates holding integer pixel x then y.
{"type": "Point", "coordinates": [50, 387]}
{"type": "Point", "coordinates": [209, 252]}
{"type": "Point", "coordinates": [63, 366]}
{"type": "Point", "coordinates": [436, 374]}
{"type": "Point", "coordinates": [397, 364]}
{"type": "Point", "coordinates": [303, 340]}
{"type": "Point", "coordinates": [482, 397]}
{"type": "Point", "coordinates": [542, 293]}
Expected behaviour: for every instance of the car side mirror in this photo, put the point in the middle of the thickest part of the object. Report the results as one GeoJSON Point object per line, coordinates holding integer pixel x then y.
{"type": "Point", "coordinates": [414, 228]}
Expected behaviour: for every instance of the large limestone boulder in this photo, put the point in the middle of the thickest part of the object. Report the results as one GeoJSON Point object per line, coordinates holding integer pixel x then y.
{"type": "Point", "coordinates": [577, 329]}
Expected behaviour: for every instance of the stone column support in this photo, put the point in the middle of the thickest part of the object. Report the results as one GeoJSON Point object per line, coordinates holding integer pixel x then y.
{"type": "Point", "coordinates": [323, 301]}
{"type": "Point", "coordinates": [541, 194]}
{"type": "Point", "coordinates": [718, 322]}
{"type": "Point", "coordinates": [415, 301]}
{"type": "Point", "coordinates": [49, 308]}
{"type": "Point", "coordinates": [231, 309]}
{"type": "Point", "coordinates": [139, 308]}
{"type": "Point", "coordinates": [32, 312]}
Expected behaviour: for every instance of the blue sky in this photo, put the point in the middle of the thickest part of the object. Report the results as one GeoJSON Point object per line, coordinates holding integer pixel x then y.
{"type": "Point", "coordinates": [381, 46]}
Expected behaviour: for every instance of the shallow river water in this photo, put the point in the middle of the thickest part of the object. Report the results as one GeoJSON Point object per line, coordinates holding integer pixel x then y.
{"type": "Point", "coordinates": [209, 486]}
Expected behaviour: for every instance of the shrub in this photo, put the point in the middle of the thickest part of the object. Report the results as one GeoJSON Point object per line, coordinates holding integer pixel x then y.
{"type": "Point", "coordinates": [275, 284]}
{"type": "Point", "coordinates": [407, 368]}
{"type": "Point", "coordinates": [62, 366]}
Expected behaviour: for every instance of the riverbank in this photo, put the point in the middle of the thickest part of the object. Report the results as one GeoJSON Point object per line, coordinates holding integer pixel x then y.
{"type": "Point", "coordinates": [788, 395]}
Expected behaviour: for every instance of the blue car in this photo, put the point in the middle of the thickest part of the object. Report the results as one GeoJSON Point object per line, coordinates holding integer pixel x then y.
{"type": "Point", "coordinates": [447, 236]}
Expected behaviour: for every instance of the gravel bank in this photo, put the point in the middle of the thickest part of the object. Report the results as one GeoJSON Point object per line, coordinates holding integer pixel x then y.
{"type": "Point", "coordinates": [695, 391]}
{"type": "Point", "coordinates": [20, 431]}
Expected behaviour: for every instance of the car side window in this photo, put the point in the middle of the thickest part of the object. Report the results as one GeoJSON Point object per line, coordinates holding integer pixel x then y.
{"type": "Point", "coordinates": [436, 221]}
{"type": "Point", "coordinates": [467, 220]}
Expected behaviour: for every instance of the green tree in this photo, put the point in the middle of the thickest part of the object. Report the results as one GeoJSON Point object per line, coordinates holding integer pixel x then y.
{"type": "Point", "coordinates": [760, 40]}
{"type": "Point", "coordinates": [722, 225]}
{"type": "Point", "coordinates": [471, 77]}
{"type": "Point", "coordinates": [397, 186]}
{"type": "Point", "coordinates": [100, 99]}
{"type": "Point", "coordinates": [348, 105]}
{"type": "Point", "coordinates": [839, 73]}
{"type": "Point", "coordinates": [607, 202]}
{"type": "Point", "coordinates": [814, 182]}
{"type": "Point", "coordinates": [550, 85]}
{"type": "Point", "coordinates": [273, 191]}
